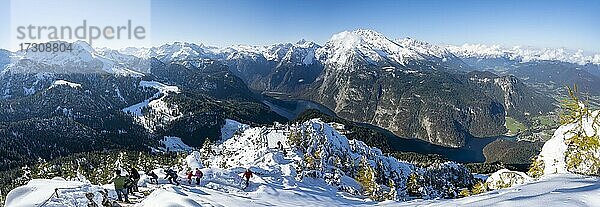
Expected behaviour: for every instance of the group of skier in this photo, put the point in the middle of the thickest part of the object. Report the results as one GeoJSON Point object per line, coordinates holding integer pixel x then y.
{"type": "Point", "coordinates": [128, 184]}
{"type": "Point", "coordinates": [124, 185]}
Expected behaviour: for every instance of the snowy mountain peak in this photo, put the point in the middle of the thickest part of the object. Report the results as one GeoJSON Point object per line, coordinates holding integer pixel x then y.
{"type": "Point", "coordinates": [180, 51]}
{"type": "Point", "coordinates": [305, 44]}
{"type": "Point", "coordinates": [374, 48]}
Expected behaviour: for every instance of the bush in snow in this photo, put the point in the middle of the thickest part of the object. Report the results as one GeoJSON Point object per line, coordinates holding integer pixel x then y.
{"type": "Point", "coordinates": [331, 156]}
{"type": "Point", "coordinates": [443, 180]}
{"type": "Point", "coordinates": [575, 146]}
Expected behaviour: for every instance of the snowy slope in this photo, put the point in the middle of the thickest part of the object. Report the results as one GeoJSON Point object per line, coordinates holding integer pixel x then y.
{"type": "Point", "coordinates": [174, 144]}
{"type": "Point", "coordinates": [160, 111]}
{"type": "Point", "coordinates": [40, 192]}
{"type": "Point", "coordinates": [555, 190]}
{"type": "Point", "coordinates": [286, 178]}
{"type": "Point", "coordinates": [65, 83]}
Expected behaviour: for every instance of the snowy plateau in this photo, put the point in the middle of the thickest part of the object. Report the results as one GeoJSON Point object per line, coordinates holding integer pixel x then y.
{"type": "Point", "coordinates": [287, 178]}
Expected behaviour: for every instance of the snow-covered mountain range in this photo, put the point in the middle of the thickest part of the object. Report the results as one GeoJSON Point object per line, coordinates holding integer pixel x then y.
{"type": "Point", "coordinates": [368, 44]}
{"type": "Point", "coordinates": [524, 54]}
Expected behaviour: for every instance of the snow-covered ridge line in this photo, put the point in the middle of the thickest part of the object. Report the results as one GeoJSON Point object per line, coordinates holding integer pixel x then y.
{"type": "Point", "coordinates": [524, 54]}
{"type": "Point", "coordinates": [369, 44]}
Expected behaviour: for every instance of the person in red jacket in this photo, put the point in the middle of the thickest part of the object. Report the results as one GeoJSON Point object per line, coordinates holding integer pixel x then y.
{"type": "Point", "coordinates": [189, 177]}
{"type": "Point", "coordinates": [247, 175]}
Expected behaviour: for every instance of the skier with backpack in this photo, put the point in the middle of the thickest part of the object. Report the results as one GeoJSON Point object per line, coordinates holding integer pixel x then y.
{"type": "Point", "coordinates": [198, 173]}
{"type": "Point", "coordinates": [120, 186]}
{"type": "Point", "coordinates": [172, 176]}
{"type": "Point", "coordinates": [153, 177]}
{"type": "Point", "coordinates": [247, 175]}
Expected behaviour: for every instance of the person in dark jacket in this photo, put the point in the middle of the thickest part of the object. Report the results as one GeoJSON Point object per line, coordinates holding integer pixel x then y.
{"type": "Point", "coordinates": [198, 173]}
{"type": "Point", "coordinates": [153, 177]}
{"type": "Point", "coordinates": [134, 175]}
{"type": "Point", "coordinates": [172, 176]}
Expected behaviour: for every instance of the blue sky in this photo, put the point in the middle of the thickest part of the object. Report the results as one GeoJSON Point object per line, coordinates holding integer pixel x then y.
{"type": "Point", "coordinates": [571, 24]}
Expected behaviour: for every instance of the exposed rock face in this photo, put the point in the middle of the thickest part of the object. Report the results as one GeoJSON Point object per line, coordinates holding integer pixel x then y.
{"type": "Point", "coordinates": [286, 68]}
{"type": "Point", "coordinates": [435, 106]}
{"type": "Point", "coordinates": [518, 100]}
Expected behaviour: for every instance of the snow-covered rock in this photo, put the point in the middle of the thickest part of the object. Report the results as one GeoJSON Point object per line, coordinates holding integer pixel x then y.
{"type": "Point", "coordinates": [315, 150]}
{"type": "Point", "coordinates": [506, 178]}
{"type": "Point", "coordinates": [369, 45]}
{"type": "Point", "coordinates": [174, 144]}
{"type": "Point", "coordinates": [194, 160]}
{"type": "Point", "coordinates": [41, 192]}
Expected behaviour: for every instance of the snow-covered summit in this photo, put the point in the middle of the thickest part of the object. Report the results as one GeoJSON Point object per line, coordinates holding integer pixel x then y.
{"type": "Point", "coordinates": [377, 49]}
{"type": "Point", "coordinates": [524, 54]}
{"type": "Point", "coordinates": [369, 45]}
{"type": "Point", "coordinates": [316, 150]}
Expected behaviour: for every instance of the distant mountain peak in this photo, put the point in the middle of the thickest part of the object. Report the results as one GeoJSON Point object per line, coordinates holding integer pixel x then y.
{"type": "Point", "coordinates": [375, 48]}
{"type": "Point", "coordinates": [524, 54]}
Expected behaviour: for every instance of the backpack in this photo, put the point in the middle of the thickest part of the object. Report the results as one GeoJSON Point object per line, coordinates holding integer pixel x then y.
{"type": "Point", "coordinates": [128, 183]}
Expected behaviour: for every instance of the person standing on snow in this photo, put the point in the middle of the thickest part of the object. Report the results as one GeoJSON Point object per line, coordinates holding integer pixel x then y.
{"type": "Point", "coordinates": [280, 146]}
{"type": "Point", "coordinates": [135, 178]}
{"type": "Point", "coordinates": [119, 182]}
{"type": "Point", "coordinates": [189, 177]}
{"type": "Point", "coordinates": [198, 173]}
{"type": "Point", "coordinates": [247, 175]}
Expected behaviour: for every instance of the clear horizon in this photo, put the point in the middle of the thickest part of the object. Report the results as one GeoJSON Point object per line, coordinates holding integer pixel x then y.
{"type": "Point", "coordinates": [541, 24]}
